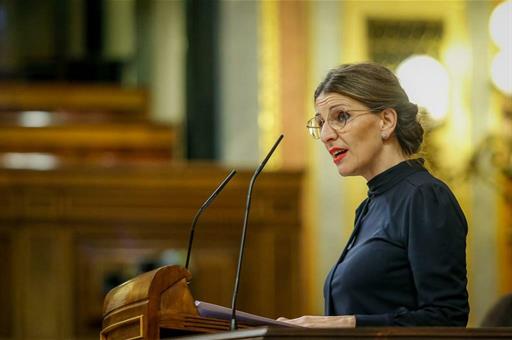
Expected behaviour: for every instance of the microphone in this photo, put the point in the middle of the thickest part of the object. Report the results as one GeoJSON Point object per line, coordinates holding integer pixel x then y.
{"type": "Point", "coordinates": [234, 325]}
{"type": "Point", "coordinates": [202, 208]}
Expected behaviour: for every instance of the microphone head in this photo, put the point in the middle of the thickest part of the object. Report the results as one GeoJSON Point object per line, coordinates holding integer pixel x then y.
{"type": "Point", "coordinates": [267, 157]}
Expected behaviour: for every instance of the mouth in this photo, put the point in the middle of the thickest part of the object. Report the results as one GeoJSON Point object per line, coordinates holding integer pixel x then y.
{"type": "Point", "coordinates": [338, 154]}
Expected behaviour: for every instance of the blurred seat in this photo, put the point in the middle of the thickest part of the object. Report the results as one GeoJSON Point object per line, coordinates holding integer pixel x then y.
{"type": "Point", "coordinates": [45, 125]}
{"type": "Point", "coordinates": [500, 314]}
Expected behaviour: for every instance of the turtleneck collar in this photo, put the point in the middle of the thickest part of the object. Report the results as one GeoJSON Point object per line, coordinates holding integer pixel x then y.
{"type": "Point", "coordinates": [390, 177]}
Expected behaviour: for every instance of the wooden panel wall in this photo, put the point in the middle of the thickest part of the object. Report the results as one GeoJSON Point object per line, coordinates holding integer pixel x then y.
{"type": "Point", "coordinates": [68, 235]}
{"type": "Point", "coordinates": [6, 312]}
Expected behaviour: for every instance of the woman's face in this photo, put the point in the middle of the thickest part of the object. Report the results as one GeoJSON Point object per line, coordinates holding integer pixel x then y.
{"type": "Point", "coordinates": [356, 149]}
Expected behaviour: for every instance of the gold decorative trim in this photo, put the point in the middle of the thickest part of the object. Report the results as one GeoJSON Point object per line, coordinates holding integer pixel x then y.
{"type": "Point", "coordinates": [140, 318]}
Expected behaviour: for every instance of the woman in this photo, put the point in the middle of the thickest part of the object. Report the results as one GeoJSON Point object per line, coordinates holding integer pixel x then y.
{"type": "Point", "coordinates": [405, 263]}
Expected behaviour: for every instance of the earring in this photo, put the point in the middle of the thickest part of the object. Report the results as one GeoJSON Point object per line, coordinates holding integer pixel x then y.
{"type": "Point", "coordinates": [384, 136]}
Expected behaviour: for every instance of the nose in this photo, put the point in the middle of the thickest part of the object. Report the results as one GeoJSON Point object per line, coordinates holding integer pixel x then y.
{"type": "Point", "coordinates": [327, 133]}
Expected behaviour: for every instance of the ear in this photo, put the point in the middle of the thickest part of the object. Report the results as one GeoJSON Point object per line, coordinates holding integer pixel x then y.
{"type": "Point", "coordinates": [388, 122]}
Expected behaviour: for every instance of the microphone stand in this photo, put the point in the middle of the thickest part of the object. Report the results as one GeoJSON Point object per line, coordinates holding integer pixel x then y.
{"type": "Point", "coordinates": [202, 208]}
{"type": "Point", "coordinates": [234, 324]}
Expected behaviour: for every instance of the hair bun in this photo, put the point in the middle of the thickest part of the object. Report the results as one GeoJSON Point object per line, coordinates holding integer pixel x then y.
{"type": "Point", "coordinates": [408, 128]}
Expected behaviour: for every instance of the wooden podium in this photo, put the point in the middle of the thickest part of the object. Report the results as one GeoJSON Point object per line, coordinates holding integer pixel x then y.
{"type": "Point", "coordinates": [158, 304]}
{"type": "Point", "coordinates": [153, 305]}
{"type": "Point", "coordinates": [384, 333]}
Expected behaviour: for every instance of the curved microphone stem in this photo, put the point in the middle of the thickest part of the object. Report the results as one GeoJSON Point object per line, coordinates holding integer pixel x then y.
{"type": "Point", "coordinates": [200, 211]}
{"type": "Point", "coordinates": [234, 325]}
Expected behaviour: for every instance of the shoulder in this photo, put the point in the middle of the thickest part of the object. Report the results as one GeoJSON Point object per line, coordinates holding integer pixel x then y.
{"type": "Point", "coordinates": [423, 184]}
{"type": "Point", "coordinates": [431, 199]}
{"type": "Point", "coordinates": [419, 183]}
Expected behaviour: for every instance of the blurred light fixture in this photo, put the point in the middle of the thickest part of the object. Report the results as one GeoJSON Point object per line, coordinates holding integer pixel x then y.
{"type": "Point", "coordinates": [500, 27]}
{"type": "Point", "coordinates": [29, 160]}
{"type": "Point", "coordinates": [426, 82]}
{"type": "Point", "coordinates": [500, 24]}
{"type": "Point", "coordinates": [501, 71]}
{"type": "Point", "coordinates": [35, 118]}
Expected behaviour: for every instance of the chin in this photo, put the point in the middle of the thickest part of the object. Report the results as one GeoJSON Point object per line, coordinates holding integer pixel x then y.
{"type": "Point", "coordinates": [345, 171]}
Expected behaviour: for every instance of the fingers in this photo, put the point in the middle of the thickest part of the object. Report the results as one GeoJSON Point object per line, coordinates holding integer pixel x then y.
{"type": "Point", "coordinates": [303, 321]}
{"type": "Point", "coordinates": [345, 321]}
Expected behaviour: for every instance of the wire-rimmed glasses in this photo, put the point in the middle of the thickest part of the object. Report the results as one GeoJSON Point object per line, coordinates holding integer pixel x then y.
{"type": "Point", "coordinates": [337, 120]}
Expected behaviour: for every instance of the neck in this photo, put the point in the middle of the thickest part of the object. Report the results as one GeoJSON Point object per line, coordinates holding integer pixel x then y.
{"type": "Point", "coordinates": [390, 156]}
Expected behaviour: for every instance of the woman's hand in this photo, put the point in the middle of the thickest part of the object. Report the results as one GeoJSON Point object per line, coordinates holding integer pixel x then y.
{"type": "Point", "coordinates": [314, 321]}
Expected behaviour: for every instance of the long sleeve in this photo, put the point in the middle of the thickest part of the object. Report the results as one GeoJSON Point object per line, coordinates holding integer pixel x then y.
{"type": "Point", "coordinates": [435, 239]}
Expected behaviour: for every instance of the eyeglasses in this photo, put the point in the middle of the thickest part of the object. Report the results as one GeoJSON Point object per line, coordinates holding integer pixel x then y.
{"type": "Point", "coordinates": [336, 119]}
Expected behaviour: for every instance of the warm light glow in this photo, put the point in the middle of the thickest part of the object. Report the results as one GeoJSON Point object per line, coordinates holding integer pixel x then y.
{"type": "Point", "coordinates": [501, 72]}
{"type": "Point", "coordinates": [269, 98]}
{"type": "Point", "coordinates": [426, 82]}
{"type": "Point", "coordinates": [500, 25]}
{"type": "Point", "coordinates": [457, 58]}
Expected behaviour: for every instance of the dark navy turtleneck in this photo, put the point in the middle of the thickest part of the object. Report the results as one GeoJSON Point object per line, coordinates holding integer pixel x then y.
{"type": "Point", "coordinates": [405, 262]}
